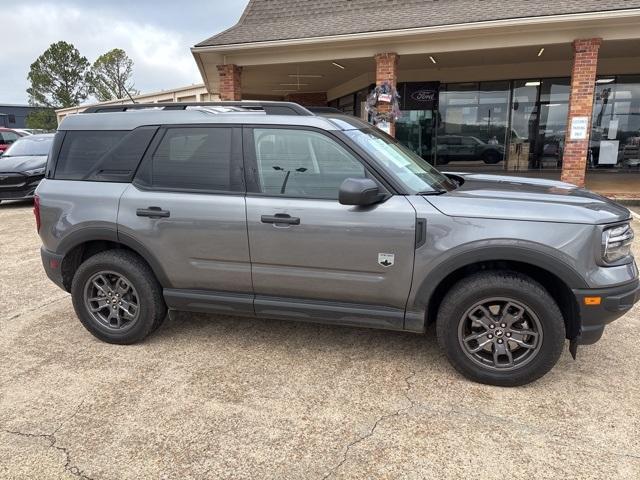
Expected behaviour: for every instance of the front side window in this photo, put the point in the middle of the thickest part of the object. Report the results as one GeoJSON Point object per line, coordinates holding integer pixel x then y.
{"type": "Point", "coordinates": [193, 158]}
{"type": "Point", "coordinates": [302, 163]}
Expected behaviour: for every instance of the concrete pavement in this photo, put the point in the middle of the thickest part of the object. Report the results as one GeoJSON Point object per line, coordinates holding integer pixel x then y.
{"type": "Point", "coordinates": [211, 397]}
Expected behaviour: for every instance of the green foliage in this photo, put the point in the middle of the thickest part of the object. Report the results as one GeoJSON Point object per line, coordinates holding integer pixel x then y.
{"type": "Point", "coordinates": [44, 118]}
{"type": "Point", "coordinates": [110, 76]}
{"type": "Point", "coordinates": [58, 77]}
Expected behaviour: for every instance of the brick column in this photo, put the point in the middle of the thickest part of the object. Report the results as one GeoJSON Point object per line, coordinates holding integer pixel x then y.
{"type": "Point", "coordinates": [387, 71]}
{"type": "Point", "coordinates": [583, 78]}
{"type": "Point", "coordinates": [230, 82]}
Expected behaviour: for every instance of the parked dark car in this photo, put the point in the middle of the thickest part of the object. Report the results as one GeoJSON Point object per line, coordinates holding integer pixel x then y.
{"type": "Point", "coordinates": [453, 148]}
{"type": "Point", "coordinates": [22, 166]}
{"type": "Point", "coordinates": [8, 136]}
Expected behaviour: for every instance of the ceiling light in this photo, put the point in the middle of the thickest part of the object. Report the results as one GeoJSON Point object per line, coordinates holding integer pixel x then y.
{"type": "Point", "coordinates": [283, 90]}
{"type": "Point", "coordinates": [294, 84]}
{"type": "Point", "coordinates": [535, 83]}
{"type": "Point", "coordinates": [337, 65]}
{"type": "Point", "coordinates": [605, 80]}
{"type": "Point", "coordinates": [301, 75]}
{"type": "Point", "coordinates": [433, 60]}
{"type": "Point", "coordinates": [541, 52]}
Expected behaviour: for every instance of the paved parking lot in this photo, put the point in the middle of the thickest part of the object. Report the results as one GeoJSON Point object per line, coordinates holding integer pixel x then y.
{"type": "Point", "coordinates": [220, 397]}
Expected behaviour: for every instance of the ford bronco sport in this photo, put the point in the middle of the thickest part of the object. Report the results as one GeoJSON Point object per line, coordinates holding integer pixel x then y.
{"type": "Point", "coordinates": [266, 209]}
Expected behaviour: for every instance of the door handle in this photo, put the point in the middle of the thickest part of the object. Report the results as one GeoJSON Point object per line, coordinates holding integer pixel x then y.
{"type": "Point", "coordinates": [280, 218]}
{"type": "Point", "coordinates": [153, 212]}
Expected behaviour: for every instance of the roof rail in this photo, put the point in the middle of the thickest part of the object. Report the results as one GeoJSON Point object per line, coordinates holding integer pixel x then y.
{"type": "Point", "coordinates": [270, 108]}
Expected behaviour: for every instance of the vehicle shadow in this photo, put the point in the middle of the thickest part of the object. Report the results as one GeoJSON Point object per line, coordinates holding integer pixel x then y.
{"type": "Point", "coordinates": [257, 333]}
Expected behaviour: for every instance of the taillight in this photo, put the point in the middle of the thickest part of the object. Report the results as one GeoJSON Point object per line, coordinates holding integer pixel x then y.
{"type": "Point", "coordinates": [36, 211]}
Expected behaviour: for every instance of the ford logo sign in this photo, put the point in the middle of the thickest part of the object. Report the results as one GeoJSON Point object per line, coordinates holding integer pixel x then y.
{"type": "Point", "coordinates": [423, 96]}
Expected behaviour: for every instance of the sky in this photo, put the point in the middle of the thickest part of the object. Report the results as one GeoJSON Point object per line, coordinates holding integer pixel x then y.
{"type": "Point", "coordinates": [156, 34]}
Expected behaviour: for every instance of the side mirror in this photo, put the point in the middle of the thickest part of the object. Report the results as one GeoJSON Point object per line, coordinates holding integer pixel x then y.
{"type": "Point", "coordinates": [359, 191]}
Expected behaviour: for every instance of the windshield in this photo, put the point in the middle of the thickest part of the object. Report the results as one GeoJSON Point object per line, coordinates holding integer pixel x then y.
{"type": "Point", "coordinates": [414, 172]}
{"type": "Point", "coordinates": [33, 145]}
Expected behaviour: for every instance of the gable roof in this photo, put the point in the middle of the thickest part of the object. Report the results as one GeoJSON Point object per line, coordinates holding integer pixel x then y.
{"type": "Point", "coordinates": [268, 20]}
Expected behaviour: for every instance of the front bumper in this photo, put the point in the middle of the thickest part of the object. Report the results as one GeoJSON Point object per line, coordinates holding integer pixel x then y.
{"type": "Point", "coordinates": [615, 302]}
{"type": "Point", "coordinates": [18, 186]}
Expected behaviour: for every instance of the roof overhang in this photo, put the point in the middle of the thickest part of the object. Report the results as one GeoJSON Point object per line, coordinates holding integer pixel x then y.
{"type": "Point", "coordinates": [542, 30]}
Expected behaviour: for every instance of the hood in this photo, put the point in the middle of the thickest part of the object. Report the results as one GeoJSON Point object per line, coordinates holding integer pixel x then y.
{"type": "Point", "coordinates": [20, 164]}
{"type": "Point", "coordinates": [519, 198]}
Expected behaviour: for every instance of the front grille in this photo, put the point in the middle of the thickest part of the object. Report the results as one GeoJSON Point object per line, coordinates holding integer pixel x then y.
{"type": "Point", "coordinates": [10, 195]}
{"type": "Point", "coordinates": [12, 179]}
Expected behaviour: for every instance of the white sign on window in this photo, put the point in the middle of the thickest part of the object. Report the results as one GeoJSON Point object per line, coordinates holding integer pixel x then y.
{"type": "Point", "coordinates": [384, 126]}
{"type": "Point", "coordinates": [579, 128]}
{"type": "Point", "coordinates": [613, 129]}
{"type": "Point", "coordinates": [608, 152]}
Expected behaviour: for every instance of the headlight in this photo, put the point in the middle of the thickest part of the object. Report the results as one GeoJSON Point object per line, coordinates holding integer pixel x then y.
{"type": "Point", "coordinates": [616, 243]}
{"type": "Point", "coordinates": [35, 171]}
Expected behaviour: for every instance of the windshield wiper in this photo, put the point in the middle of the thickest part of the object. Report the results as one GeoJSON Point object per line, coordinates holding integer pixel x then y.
{"type": "Point", "coordinates": [432, 192]}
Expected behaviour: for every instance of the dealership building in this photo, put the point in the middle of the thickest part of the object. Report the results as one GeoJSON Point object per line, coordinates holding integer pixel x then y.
{"type": "Point", "coordinates": [546, 89]}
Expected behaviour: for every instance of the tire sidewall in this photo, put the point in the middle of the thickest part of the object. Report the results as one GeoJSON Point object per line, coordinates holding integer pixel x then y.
{"type": "Point", "coordinates": [553, 334]}
{"type": "Point", "coordinates": [139, 280]}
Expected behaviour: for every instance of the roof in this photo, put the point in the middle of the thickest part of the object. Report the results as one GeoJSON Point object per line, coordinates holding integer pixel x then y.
{"type": "Point", "coordinates": [138, 118]}
{"type": "Point", "coordinates": [269, 20]}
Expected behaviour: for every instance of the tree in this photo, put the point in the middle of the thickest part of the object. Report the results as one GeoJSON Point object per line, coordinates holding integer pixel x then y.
{"type": "Point", "coordinates": [58, 77]}
{"type": "Point", "coordinates": [110, 76]}
{"type": "Point", "coordinates": [44, 118]}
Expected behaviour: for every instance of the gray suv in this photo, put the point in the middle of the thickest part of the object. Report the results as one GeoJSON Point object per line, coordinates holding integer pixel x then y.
{"type": "Point", "coordinates": [265, 209]}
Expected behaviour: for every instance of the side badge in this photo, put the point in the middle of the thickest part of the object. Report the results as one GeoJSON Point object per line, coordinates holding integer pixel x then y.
{"type": "Point", "coordinates": [386, 259]}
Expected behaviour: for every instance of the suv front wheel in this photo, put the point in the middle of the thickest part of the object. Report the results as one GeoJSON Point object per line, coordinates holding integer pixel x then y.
{"type": "Point", "coordinates": [500, 328]}
{"type": "Point", "coordinates": [117, 297]}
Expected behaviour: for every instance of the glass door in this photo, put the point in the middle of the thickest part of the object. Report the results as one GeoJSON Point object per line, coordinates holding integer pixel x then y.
{"type": "Point", "coordinates": [416, 129]}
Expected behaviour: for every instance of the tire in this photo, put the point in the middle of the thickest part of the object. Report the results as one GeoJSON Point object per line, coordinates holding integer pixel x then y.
{"type": "Point", "coordinates": [464, 326]}
{"type": "Point", "coordinates": [99, 279]}
{"type": "Point", "coordinates": [491, 158]}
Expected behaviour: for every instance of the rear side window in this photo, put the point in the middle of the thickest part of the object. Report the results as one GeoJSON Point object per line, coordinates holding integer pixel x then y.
{"type": "Point", "coordinates": [193, 158]}
{"type": "Point", "coordinates": [106, 155]}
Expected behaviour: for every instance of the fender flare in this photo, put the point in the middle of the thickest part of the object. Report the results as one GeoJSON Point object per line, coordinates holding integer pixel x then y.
{"type": "Point", "coordinates": [534, 254]}
{"type": "Point", "coordinates": [111, 234]}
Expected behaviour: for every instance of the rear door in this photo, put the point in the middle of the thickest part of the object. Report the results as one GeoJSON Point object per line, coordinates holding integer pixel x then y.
{"type": "Point", "coordinates": [312, 256]}
{"type": "Point", "coordinates": [186, 207]}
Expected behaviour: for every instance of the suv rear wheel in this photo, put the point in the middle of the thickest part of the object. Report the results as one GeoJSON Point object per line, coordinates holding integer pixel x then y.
{"type": "Point", "coordinates": [500, 328]}
{"type": "Point", "coordinates": [117, 297]}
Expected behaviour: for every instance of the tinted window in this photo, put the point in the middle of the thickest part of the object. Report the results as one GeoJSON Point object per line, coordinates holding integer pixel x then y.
{"type": "Point", "coordinates": [197, 158]}
{"type": "Point", "coordinates": [302, 163]}
{"type": "Point", "coordinates": [81, 151]}
{"type": "Point", "coordinates": [30, 146]}
{"type": "Point", "coordinates": [102, 155]}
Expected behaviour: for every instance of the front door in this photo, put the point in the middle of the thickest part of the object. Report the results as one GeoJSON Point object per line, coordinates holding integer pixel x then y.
{"type": "Point", "coordinates": [310, 255]}
{"type": "Point", "coordinates": [186, 207]}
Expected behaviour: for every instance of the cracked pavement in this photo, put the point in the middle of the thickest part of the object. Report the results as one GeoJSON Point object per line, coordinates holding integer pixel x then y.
{"type": "Point", "coordinates": [222, 397]}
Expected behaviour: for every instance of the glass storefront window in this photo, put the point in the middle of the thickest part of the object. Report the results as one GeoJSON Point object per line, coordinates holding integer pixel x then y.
{"type": "Point", "coordinates": [472, 131]}
{"type": "Point", "coordinates": [615, 134]}
{"type": "Point", "coordinates": [538, 124]}
{"type": "Point", "coordinates": [414, 129]}
{"type": "Point", "coordinates": [518, 127]}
